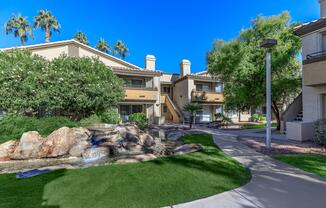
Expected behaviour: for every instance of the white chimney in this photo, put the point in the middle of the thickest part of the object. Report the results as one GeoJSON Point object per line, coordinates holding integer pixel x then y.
{"type": "Point", "coordinates": [322, 8]}
{"type": "Point", "coordinates": [184, 68]}
{"type": "Point", "coordinates": [150, 62]}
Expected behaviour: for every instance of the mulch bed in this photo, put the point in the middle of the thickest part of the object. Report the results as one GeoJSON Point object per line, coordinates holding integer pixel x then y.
{"type": "Point", "coordinates": [283, 147]}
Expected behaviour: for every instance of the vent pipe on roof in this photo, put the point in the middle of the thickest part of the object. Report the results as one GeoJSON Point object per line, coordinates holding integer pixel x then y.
{"type": "Point", "coordinates": [184, 68]}
{"type": "Point", "coordinates": [150, 62]}
{"type": "Point", "coordinates": [322, 8]}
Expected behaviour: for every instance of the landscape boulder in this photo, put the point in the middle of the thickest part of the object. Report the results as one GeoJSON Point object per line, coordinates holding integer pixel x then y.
{"type": "Point", "coordinates": [61, 141]}
{"type": "Point", "coordinates": [28, 146]}
{"type": "Point", "coordinates": [7, 148]}
{"type": "Point", "coordinates": [187, 148]}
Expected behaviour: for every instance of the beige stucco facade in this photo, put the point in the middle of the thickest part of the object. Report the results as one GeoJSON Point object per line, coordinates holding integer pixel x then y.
{"type": "Point", "coordinates": [313, 36]}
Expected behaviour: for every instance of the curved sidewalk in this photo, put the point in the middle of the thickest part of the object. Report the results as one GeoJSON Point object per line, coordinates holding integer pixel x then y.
{"type": "Point", "coordinates": [273, 184]}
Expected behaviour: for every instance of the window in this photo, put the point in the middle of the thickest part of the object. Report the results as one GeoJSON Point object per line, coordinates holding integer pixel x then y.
{"type": "Point", "coordinates": [203, 87]}
{"type": "Point", "coordinates": [137, 83]}
{"type": "Point", "coordinates": [219, 109]}
{"type": "Point", "coordinates": [165, 109]}
{"type": "Point", "coordinates": [219, 88]}
{"type": "Point", "coordinates": [323, 40]}
{"type": "Point", "coordinates": [137, 108]}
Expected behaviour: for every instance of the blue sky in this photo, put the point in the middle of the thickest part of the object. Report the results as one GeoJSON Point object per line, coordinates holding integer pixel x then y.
{"type": "Point", "coordinates": [170, 29]}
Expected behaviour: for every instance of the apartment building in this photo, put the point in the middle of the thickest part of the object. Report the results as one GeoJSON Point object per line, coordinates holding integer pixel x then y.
{"type": "Point", "coordinates": [311, 105]}
{"type": "Point", "coordinates": [161, 96]}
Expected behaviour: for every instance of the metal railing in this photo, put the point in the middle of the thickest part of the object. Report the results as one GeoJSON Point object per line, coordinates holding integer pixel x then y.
{"type": "Point", "coordinates": [316, 54]}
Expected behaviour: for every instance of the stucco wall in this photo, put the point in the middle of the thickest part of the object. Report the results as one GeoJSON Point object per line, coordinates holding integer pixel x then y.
{"type": "Point", "coordinates": [51, 52]}
{"type": "Point", "coordinates": [180, 93]}
{"type": "Point", "coordinates": [312, 102]}
{"type": "Point", "coordinates": [106, 61]}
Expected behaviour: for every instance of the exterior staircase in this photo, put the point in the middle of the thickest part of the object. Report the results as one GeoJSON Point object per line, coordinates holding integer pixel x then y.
{"type": "Point", "coordinates": [176, 114]}
{"type": "Point", "coordinates": [293, 113]}
{"type": "Point", "coordinates": [299, 116]}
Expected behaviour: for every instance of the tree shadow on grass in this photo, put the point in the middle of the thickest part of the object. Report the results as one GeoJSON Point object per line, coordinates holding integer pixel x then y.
{"type": "Point", "coordinates": [26, 193]}
{"type": "Point", "coordinates": [212, 160]}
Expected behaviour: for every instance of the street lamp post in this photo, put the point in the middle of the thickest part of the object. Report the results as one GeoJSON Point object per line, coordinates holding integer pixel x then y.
{"type": "Point", "coordinates": [268, 44]}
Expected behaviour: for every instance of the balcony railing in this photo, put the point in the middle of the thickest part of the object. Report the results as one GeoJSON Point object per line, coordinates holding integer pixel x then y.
{"type": "Point", "coordinates": [144, 94]}
{"type": "Point", "coordinates": [209, 97]}
{"type": "Point", "coordinates": [316, 55]}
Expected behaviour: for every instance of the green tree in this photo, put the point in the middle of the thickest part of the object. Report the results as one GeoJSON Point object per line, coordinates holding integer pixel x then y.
{"type": "Point", "coordinates": [121, 49]}
{"type": "Point", "coordinates": [81, 37]}
{"type": "Point", "coordinates": [103, 46]}
{"type": "Point", "coordinates": [19, 26]}
{"type": "Point", "coordinates": [47, 22]}
{"type": "Point", "coordinates": [241, 65]}
{"type": "Point", "coordinates": [192, 108]}
{"type": "Point", "coordinates": [66, 86]}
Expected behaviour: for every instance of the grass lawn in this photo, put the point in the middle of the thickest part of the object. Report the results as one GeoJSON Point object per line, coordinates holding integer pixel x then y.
{"type": "Point", "coordinates": [157, 183]}
{"type": "Point", "coordinates": [257, 126]}
{"type": "Point", "coordinates": [311, 163]}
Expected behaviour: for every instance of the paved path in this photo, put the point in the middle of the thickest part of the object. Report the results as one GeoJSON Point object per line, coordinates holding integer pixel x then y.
{"type": "Point", "coordinates": [255, 133]}
{"type": "Point", "coordinates": [273, 185]}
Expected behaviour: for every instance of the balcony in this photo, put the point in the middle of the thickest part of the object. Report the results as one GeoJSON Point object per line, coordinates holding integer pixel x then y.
{"type": "Point", "coordinates": [314, 73]}
{"type": "Point", "coordinates": [141, 94]}
{"type": "Point", "coordinates": [315, 57]}
{"type": "Point", "coordinates": [207, 97]}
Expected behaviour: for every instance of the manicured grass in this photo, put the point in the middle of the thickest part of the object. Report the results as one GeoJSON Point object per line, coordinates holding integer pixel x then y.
{"type": "Point", "coordinates": [311, 163]}
{"type": "Point", "coordinates": [157, 183]}
{"type": "Point", "coordinates": [256, 126]}
{"type": "Point", "coordinates": [14, 127]}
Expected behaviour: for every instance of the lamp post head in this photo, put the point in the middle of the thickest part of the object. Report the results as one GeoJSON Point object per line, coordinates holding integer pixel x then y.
{"type": "Point", "coordinates": [268, 43]}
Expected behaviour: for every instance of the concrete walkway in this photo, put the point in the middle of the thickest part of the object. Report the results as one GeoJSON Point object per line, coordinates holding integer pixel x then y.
{"type": "Point", "coordinates": [273, 184]}
{"type": "Point", "coordinates": [255, 133]}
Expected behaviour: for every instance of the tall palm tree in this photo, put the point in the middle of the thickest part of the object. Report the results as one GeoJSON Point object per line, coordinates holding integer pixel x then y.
{"type": "Point", "coordinates": [46, 21]}
{"type": "Point", "coordinates": [81, 37]}
{"type": "Point", "coordinates": [103, 46]}
{"type": "Point", "coordinates": [192, 108]}
{"type": "Point", "coordinates": [20, 27]}
{"type": "Point", "coordinates": [121, 49]}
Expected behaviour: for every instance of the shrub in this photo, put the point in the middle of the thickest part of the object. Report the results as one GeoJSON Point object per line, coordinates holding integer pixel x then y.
{"type": "Point", "coordinates": [225, 121]}
{"type": "Point", "coordinates": [258, 117]}
{"type": "Point", "coordinates": [12, 127]}
{"type": "Point", "coordinates": [139, 119]}
{"type": "Point", "coordinates": [320, 132]}
{"type": "Point", "coordinates": [110, 117]}
{"type": "Point", "coordinates": [66, 86]}
{"type": "Point", "coordinates": [93, 119]}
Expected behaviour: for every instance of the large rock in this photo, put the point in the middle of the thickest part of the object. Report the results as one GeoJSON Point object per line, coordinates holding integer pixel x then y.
{"type": "Point", "coordinates": [28, 147]}
{"type": "Point", "coordinates": [96, 153]}
{"type": "Point", "coordinates": [175, 135]}
{"type": "Point", "coordinates": [146, 140]}
{"type": "Point", "coordinates": [129, 133]}
{"type": "Point", "coordinates": [187, 148]}
{"type": "Point", "coordinates": [61, 141]}
{"type": "Point", "coordinates": [136, 159]}
{"type": "Point", "coordinates": [7, 148]}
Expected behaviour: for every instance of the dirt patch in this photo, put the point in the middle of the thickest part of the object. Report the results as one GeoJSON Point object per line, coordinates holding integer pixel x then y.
{"type": "Point", "coordinates": [283, 147]}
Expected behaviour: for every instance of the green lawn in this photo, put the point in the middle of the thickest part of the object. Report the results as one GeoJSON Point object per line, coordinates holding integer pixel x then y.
{"type": "Point", "coordinates": [257, 126]}
{"type": "Point", "coordinates": [311, 163]}
{"type": "Point", "coordinates": [156, 183]}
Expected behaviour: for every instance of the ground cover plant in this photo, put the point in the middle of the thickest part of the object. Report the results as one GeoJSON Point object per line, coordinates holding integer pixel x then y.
{"type": "Point", "coordinates": [157, 183]}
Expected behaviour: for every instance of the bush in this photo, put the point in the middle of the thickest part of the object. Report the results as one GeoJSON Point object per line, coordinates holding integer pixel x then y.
{"type": "Point", "coordinates": [110, 117]}
{"type": "Point", "coordinates": [66, 86]}
{"type": "Point", "coordinates": [93, 119]}
{"type": "Point", "coordinates": [320, 132]}
{"type": "Point", "coordinates": [12, 127]}
{"type": "Point", "coordinates": [225, 121]}
{"type": "Point", "coordinates": [258, 117]}
{"type": "Point", "coordinates": [139, 119]}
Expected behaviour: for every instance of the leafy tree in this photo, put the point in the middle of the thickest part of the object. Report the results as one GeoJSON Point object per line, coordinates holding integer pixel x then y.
{"type": "Point", "coordinates": [121, 49]}
{"type": "Point", "coordinates": [19, 26]}
{"type": "Point", "coordinates": [66, 86]}
{"type": "Point", "coordinates": [192, 108]}
{"type": "Point", "coordinates": [103, 46]}
{"type": "Point", "coordinates": [46, 21]}
{"type": "Point", "coordinates": [241, 65]}
{"type": "Point", "coordinates": [81, 37]}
